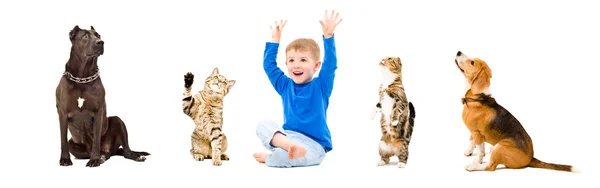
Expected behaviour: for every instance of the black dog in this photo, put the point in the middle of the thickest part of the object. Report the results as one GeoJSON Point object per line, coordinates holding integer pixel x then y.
{"type": "Point", "coordinates": [82, 109]}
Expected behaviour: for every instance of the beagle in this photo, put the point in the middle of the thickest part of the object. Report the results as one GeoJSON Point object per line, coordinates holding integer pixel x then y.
{"type": "Point", "coordinates": [489, 122]}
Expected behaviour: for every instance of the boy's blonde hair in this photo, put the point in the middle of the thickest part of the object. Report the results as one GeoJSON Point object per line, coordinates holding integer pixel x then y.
{"type": "Point", "coordinates": [303, 45]}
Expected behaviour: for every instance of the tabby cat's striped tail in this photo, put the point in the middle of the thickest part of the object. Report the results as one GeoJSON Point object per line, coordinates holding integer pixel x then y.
{"type": "Point", "coordinates": [411, 116]}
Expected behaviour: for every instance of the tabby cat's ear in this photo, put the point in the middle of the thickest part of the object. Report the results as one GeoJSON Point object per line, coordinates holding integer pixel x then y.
{"type": "Point", "coordinates": [215, 71]}
{"type": "Point", "coordinates": [230, 84]}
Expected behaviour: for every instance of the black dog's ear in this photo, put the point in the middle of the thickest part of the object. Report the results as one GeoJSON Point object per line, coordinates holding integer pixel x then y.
{"type": "Point", "coordinates": [74, 32]}
{"type": "Point", "coordinates": [92, 27]}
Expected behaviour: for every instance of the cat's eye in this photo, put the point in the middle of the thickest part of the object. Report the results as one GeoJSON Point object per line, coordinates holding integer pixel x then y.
{"type": "Point", "coordinates": [472, 62]}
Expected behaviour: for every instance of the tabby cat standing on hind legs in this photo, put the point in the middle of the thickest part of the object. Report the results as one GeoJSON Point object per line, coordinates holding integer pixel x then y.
{"type": "Point", "coordinates": [206, 109]}
{"type": "Point", "coordinates": [397, 114]}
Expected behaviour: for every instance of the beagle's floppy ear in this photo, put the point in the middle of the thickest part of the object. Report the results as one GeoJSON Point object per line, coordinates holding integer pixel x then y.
{"type": "Point", "coordinates": [482, 80]}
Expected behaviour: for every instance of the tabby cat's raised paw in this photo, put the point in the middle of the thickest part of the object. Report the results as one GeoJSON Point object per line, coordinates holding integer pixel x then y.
{"type": "Point", "coordinates": [189, 79]}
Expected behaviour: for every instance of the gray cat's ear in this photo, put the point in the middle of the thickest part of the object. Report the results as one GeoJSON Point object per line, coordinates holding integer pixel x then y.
{"type": "Point", "coordinates": [230, 84]}
{"type": "Point", "coordinates": [215, 71]}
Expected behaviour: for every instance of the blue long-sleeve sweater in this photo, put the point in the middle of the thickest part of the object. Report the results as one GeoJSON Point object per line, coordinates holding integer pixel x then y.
{"type": "Point", "coordinates": [305, 105]}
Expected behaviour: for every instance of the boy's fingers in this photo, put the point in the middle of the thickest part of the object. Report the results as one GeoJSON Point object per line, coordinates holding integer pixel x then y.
{"type": "Point", "coordinates": [338, 22]}
{"type": "Point", "coordinates": [332, 12]}
{"type": "Point", "coordinates": [336, 16]}
{"type": "Point", "coordinates": [322, 24]}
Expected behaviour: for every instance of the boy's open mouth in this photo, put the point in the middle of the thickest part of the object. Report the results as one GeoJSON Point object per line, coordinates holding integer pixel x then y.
{"type": "Point", "coordinates": [298, 73]}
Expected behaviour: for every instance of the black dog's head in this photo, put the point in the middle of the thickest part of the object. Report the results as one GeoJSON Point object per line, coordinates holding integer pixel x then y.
{"type": "Point", "coordinates": [86, 43]}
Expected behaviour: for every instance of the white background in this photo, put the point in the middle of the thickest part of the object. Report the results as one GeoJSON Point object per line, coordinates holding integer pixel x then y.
{"type": "Point", "coordinates": [543, 57]}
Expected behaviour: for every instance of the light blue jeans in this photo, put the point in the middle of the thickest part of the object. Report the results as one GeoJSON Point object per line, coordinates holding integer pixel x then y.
{"type": "Point", "coordinates": [315, 153]}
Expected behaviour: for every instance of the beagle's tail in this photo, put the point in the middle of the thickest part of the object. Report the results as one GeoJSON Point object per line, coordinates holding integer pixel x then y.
{"type": "Point", "coordinates": [535, 163]}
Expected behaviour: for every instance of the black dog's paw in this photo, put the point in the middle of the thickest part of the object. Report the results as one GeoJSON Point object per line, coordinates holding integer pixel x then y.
{"type": "Point", "coordinates": [65, 162]}
{"type": "Point", "coordinates": [189, 79]}
{"type": "Point", "coordinates": [94, 162]}
{"type": "Point", "coordinates": [143, 153]}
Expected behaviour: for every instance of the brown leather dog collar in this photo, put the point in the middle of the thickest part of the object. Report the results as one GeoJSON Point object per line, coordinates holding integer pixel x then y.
{"type": "Point", "coordinates": [481, 99]}
{"type": "Point", "coordinates": [467, 99]}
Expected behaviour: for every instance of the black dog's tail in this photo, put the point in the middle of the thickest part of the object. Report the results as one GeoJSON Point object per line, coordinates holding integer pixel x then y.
{"type": "Point", "coordinates": [121, 152]}
{"type": "Point", "coordinates": [117, 123]}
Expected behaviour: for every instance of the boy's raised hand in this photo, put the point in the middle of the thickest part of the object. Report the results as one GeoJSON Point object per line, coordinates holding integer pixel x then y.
{"type": "Point", "coordinates": [329, 23]}
{"type": "Point", "coordinates": [276, 30]}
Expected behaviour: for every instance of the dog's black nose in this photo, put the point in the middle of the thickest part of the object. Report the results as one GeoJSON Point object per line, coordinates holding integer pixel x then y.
{"type": "Point", "coordinates": [458, 53]}
{"type": "Point", "coordinates": [100, 43]}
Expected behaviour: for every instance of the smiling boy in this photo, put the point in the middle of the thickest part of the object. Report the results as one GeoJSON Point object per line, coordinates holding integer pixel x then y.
{"type": "Point", "coordinates": [304, 138]}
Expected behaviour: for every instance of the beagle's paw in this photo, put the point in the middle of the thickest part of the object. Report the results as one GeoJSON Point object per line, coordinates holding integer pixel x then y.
{"type": "Point", "coordinates": [468, 152]}
{"type": "Point", "coordinates": [469, 167]}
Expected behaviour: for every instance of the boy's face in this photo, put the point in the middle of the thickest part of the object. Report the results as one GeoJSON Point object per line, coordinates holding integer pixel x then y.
{"type": "Point", "coordinates": [301, 66]}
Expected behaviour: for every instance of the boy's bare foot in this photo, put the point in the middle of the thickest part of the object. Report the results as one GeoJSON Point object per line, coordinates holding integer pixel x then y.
{"type": "Point", "coordinates": [296, 151]}
{"type": "Point", "coordinates": [261, 157]}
